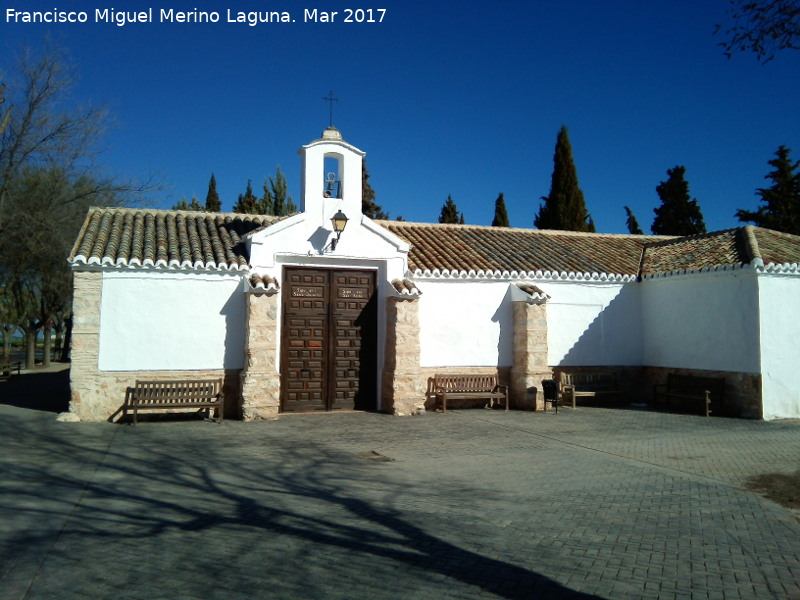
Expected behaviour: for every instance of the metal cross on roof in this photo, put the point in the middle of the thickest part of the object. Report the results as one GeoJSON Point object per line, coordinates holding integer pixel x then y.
{"type": "Point", "coordinates": [330, 98]}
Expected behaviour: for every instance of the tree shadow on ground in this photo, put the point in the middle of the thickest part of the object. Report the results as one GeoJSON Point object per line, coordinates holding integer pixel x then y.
{"type": "Point", "coordinates": [147, 486]}
{"type": "Point", "coordinates": [37, 390]}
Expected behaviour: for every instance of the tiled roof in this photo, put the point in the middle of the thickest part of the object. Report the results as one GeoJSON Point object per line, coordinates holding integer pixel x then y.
{"type": "Point", "coordinates": [197, 240]}
{"type": "Point", "coordinates": [165, 238]}
{"type": "Point", "coordinates": [775, 247]}
{"type": "Point", "coordinates": [464, 248]}
{"type": "Point", "coordinates": [718, 249]}
{"type": "Point", "coordinates": [721, 249]}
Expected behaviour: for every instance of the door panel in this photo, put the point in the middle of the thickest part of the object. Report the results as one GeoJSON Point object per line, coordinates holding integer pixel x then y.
{"type": "Point", "coordinates": [329, 342]}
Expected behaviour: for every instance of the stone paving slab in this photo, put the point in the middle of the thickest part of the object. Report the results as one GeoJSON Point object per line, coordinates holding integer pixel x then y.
{"type": "Point", "coordinates": [474, 504]}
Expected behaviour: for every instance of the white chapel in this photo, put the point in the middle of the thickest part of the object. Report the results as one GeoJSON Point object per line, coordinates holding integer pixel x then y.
{"type": "Point", "coordinates": [327, 310]}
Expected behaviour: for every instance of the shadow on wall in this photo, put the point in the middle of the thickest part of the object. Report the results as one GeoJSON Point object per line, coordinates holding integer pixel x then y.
{"type": "Point", "coordinates": [233, 312]}
{"type": "Point", "coordinates": [152, 490]}
{"type": "Point", "coordinates": [614, 337]}
{"type": "Point", "coordinates": [504, 317]}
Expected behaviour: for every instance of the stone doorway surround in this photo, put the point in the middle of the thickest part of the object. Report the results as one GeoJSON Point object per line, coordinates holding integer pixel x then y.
{"type": "Point", "coordinates": [261, 382]}
{"type": "Point", "coordinates": [403, 389]}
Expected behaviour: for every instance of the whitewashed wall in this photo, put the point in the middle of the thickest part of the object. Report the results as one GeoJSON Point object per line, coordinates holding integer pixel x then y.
{"type": "Point", "coordinates": [465, 323]}
{"type": "Point", "coordinates": [702, 321]}
{"type": "Point", "coordinates": [780, 346]}
{"type": "Point", "coordinates": [304, 240]}
{"type": "Point", "coordinates": [470, 323]}
{"type": "Point", "coordinates": [164, 321]}
{"type": "Point", "coordinates": [593, 323]}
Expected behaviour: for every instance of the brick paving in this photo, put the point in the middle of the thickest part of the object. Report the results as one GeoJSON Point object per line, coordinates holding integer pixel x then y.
{"type": "Point", "coordinates": [473, 504]}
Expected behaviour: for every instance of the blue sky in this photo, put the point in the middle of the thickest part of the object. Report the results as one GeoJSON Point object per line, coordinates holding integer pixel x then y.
{"type": "Point", "coordinates": [452, 98]}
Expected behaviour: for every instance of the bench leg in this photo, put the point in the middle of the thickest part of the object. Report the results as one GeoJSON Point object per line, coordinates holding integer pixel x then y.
{"type": "Point", "coordinates": [708, 403]}
{"type": "Point", "coordinates": [569, 392]}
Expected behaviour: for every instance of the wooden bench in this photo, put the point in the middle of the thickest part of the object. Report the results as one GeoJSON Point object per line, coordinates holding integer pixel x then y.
{"type": "Point", "coordinates": [7, 367]}
{"type": "Point", "coordinates": [589, 384]}
{"type": "Point", "coordinates": [467, 387]}
{"type": "Point", "coordinates": [690, 387]}
{"type": "Point", "coordinates": [198, 394]}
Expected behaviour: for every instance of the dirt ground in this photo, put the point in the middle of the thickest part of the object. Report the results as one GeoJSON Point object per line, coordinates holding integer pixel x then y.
{"type": "Point", "coordinates": [779, 487]}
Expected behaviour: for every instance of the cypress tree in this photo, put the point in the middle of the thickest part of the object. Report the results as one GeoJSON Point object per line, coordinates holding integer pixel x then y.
{"type": "Point", "coordinates": [500, 213]}
{"type": "Point", "coordinates": [564, 208]}
{"type": "Point", "coordinates": [369, 207]}
{"type": "Point", "coordinates": [247, 203]}
{"type": "Point", "coordinates": [632, 223]}
{"type": "Point", "coordinates": [450, 212]}
{"type": "Point", "coordinates": [780, 209]}
{"type": "Point", "coordinates": [183, 205]}
{"type": "Point", "coordinates": [213, 203]}
{"type": "Point", "coordinates": [678, 214]}
{"type": "Point", "coordinates": [282, 201]}
{"type": "Point", "coordinates": [266, 204]}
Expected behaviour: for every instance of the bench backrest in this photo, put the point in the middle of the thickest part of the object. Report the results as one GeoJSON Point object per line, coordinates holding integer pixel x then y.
{"type": "Point", "coordinates": [591, 381]}
{"type": "Point", "coordinates": [164, 392]}
{"type": "Point", "coordinates": [693, 384]}
{"type": "Point", "coordinates": [465, 383]}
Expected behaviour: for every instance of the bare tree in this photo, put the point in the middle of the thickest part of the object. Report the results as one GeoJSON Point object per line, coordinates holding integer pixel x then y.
{"type": "Point", "coordinates": [47, 181]}
{"type": "Point", "coordinates": [762, 26]}
{"type": "Point", "coordinates": [38, 131]}
{"type": "Point", "coordinates": [6, 116]}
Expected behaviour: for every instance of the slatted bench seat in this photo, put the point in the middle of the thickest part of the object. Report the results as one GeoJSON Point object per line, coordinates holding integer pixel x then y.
{"type": "Point", "coordinates": [197, 394]}
{"type": "Point", "coordinates": [694, 388]}
{"type": "Point", "coordinates": [468, 387]}
{"type": "Point", "coordinates": [589, 384]}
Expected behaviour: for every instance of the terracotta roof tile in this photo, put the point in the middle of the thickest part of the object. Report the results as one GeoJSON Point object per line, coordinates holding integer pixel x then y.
{"type": "Point", "coordinates": [717, 249]}
{"type": "Point", "coordinates": [537, 295]}
{"type": "Point", "coordinates": [264, 283]}
{"type": "Point", "coordinates": [720, 249]}
{"type": "Point", "coordinates": [198, 240]}
{"type": "Point", "coordinates": [165, 238]}
{"type": "Point", "coordinates": [502, 249]}
{"type": "Point", "coordinates": [406, 287]}
{"type": "Point", "coordinates": [464, 248]}
{"type": "Point", "coordinates": [775, 247]}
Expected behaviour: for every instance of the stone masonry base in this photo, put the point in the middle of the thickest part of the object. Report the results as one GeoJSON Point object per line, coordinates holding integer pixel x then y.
{"type": "Point", "coordinates": [101, 395]}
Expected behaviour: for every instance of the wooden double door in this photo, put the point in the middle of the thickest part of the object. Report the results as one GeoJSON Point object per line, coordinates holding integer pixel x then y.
{"type": "Point", "coordinates": [328, 340]}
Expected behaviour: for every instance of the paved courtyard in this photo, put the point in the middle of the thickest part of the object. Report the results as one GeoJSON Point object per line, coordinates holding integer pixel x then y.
{"type": "Point", "coordinates": [475, 504]}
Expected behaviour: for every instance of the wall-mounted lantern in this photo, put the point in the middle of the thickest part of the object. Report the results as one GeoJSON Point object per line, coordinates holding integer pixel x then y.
{"type": "Point", "coordinates": [339, 222]}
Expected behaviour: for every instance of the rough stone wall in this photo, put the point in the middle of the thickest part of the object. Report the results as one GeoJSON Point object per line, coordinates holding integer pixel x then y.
{"type": "Point", "coordinates": [630, 380]}
{"type": "Point", "coordinates": [530, 356]}
{"type": "Point", "coordinates": [101, 395]}
{"type": "Point", "coordinates": [261, 381]}
{"type": "Point", "coordinates": [402, 384]}
{"type": "Point", "coordinates": [90, 399]}
{"type": "Point", "coordinates": [503, 377]}
{"type": "Point", "coordinates": [742, 390]}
